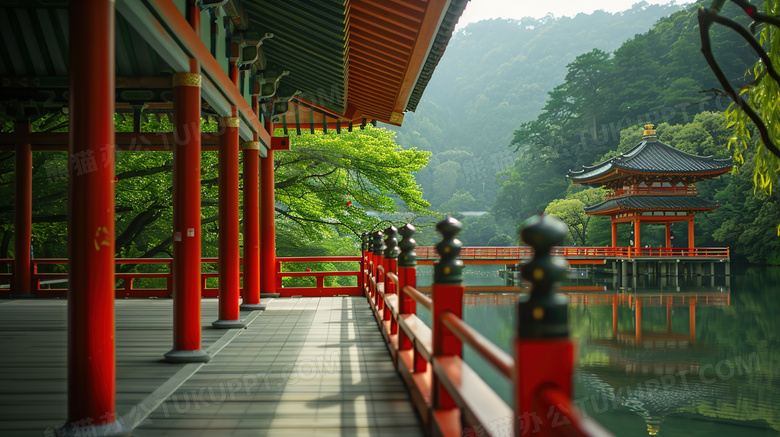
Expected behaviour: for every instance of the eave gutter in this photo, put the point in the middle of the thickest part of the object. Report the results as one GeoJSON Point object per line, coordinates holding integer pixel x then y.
{"type": "Point", "coordinates": [167, 31]}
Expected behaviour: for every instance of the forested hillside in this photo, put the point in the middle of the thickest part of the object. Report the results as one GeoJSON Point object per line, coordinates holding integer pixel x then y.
{"type": "Point", "coordinates": [489, 130]}
{"type": "Point", "coordinates": [494, 76]}
{"type": "Point", "coordinates": [658, 77]}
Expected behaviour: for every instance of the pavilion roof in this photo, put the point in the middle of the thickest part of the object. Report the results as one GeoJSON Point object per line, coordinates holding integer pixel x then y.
{"type": "Point", "coordinates": [654, 159]}
{"type": "Point", "coordinates": [350, 61]}
{"type": "Point", "coordinates": [651, 203]}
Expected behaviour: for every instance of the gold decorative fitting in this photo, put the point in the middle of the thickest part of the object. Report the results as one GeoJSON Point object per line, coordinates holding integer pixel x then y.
{"type": "Point", "coordinates": [396, 117]}
{"type": "Point", "coordinates": [251, 145]}
{"type": "Point", "coordinates": [649, 129]}
{"type": "Point", "coordinates": [187, 79]}
{"type": "Point", "coordinates": [229, 122]}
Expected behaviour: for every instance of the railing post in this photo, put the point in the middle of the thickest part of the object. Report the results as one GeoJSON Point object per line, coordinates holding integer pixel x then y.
{"type": "Point", "coordinates": [364, 263]}
{"type": "Point", "coordinates": [378, 252]}
{"type": "Point", "coordinates": [544, 354]}
{"type": "Point", "coordinates": [447, 296]}
{"type": "Point", "coordinates": [391, 266]}
{"type": "Point", "coordinates": [407, 270]}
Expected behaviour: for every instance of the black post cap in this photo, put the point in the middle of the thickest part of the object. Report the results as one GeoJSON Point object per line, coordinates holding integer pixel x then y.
{"type": "Point", "coordinates": [449, 269]}
{"type": "Point", "coordinates": [407, 258]}
{"type": "Point", "coordinates": [545, 313]}
{"type": "Point", "coordinates": [379, 245]}
{"type": "Point", "coordinates": [391, 243]}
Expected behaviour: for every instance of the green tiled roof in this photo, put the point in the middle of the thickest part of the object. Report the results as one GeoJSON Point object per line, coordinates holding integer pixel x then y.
{"type": "Point", "coordinates": [652, 157]}
{"type": "Point", "coordinates": [653, 203]}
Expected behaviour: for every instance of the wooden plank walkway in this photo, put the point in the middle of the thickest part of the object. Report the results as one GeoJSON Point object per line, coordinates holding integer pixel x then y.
{"type": "Point", "coordinates": [303, 367]}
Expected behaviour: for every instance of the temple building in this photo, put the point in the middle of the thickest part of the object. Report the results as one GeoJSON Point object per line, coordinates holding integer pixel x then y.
{"type": "Point", "coordinates": [651, 183]}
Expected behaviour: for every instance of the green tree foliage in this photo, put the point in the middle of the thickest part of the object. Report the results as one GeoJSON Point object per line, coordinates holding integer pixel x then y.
{"type": "Point", "coordinates": [326, 186]}
{"type": "Point", "coordinates": [344, 180]}
{"type": "Point", "coordinates": [763, 96]}
{"type": "Point", "coordinates": [571, 210]}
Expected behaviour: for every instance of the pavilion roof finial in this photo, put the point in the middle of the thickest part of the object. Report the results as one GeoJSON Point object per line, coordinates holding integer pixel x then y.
{"type": "Point", "coordinates": [649, 134]}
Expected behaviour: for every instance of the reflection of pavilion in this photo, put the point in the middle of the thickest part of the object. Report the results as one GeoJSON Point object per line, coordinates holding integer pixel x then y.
{"type": "Point", "coordinates": [646, 370]}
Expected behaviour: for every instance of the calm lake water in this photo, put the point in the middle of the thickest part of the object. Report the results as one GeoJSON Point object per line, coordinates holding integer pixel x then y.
{"type": "Point", "coordinates": [721, 380]}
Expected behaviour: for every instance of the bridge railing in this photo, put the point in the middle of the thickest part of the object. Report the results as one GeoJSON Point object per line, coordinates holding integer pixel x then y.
{"type": "Point", "coordinates": [572, 252]}
{"type": "Point", "coordinates": [452, 399]}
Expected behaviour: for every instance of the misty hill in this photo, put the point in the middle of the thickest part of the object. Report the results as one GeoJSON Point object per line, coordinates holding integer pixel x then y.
{"type": "Point", "coordinates": [494, 76]}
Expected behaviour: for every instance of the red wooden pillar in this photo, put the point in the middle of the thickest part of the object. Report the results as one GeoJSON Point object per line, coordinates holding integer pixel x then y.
{"type": "Point", "coordinates": [614, 233]}
{"type": "Point", "coordinates": [186, 267]}
{"type": "Point", "coordinates": [22, 280]}
{"type": "Point", "coordinates": [229, 256]}
{"type": "Point", "coordinates": [251, 153]}
{"type": "Point", "coordinates": [690, 234]}
{"type": "Point", "coordinates": [637, 234]}
{"type": "Point", "coordinates": [267, 223]}
{"type": "Point", "coordinates": [668, 235]}
{"type": "Point", "coordinates": [91, 353]}
{"type": "Point", "coordinates": [364, 262]}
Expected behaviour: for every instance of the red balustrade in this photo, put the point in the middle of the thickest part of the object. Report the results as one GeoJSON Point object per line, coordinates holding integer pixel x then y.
{"type": "Point", "coordinates": [54, 284]}
{"type": "Point", "coordinates": [451, 398]}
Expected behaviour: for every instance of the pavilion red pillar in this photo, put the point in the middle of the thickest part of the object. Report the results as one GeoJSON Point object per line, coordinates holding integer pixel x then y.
{"type": "Point", "coordinates": [668, 234]}
{"type": "Point", "coordinates": [637, 228]}
{"type": "Point", "coordinates": [614, 233]}
{"type": "Point", "coordinates": [229, 257]}
{"type": "Point", "coordinates": [267, 224]}
{"type": "Point", "coordinates": [690, 231]}
{"type": "Point", "coordinates": [186, 266]}
{"type": "Point", "coordinates": [91, 353]}
{"type": "Point", "coordinates": [22, 286]}
{"type": "Point", "coordinates": [251, 294]}
{"type": "Point", "coordinates": [251, 301]}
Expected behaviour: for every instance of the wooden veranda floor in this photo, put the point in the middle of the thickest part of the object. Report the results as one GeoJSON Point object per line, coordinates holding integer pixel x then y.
{"type": "Point", "coordinates": [302, 367]}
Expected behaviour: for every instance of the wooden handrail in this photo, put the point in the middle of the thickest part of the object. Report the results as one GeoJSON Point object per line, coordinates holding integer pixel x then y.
{"type": "Point", "coordinates": [419, 297]}
{"type": "Point", "coordinates": [485, 348]}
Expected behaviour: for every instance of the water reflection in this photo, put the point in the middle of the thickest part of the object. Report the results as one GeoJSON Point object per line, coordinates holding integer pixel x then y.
{"type": "Point", "coordinates": [689, 356]}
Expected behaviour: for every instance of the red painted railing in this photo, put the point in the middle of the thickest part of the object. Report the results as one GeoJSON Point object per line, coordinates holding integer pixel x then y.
{"type": "Point", "coordinates": [577, 252]}
{"type": "Point", "coordinates": [452, 399]}
{"type": "Point", "coordinates": [319, 289]}
{"type": "Point", "coordinates": [654, 191]}
{"type": "Point", "coordinates": [54, 285]}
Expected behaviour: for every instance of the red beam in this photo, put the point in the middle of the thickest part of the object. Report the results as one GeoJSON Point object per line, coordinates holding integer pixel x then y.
{"type": "Point", "coordinates": [91, 348]}
{"type": "Point", "coordinates": [125, 141]}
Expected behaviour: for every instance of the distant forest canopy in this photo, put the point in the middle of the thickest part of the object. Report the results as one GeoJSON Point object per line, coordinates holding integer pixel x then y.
{"type": "Point", "coordinates": [495, 75]}
{"type": "Point", "coordinates": [597, 99]}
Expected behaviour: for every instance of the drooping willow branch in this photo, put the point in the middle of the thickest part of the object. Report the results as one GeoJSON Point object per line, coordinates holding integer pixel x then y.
{"type": "Point", "coordinates": [708, 17]}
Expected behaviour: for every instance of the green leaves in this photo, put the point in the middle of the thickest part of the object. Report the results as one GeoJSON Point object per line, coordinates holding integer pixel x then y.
{"type": "Point", "coordinates": [331, 183]}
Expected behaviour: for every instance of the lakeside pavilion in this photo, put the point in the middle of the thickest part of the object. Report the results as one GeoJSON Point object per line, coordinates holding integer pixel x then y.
{"type": "Point", "coordinates": [651, 183]}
